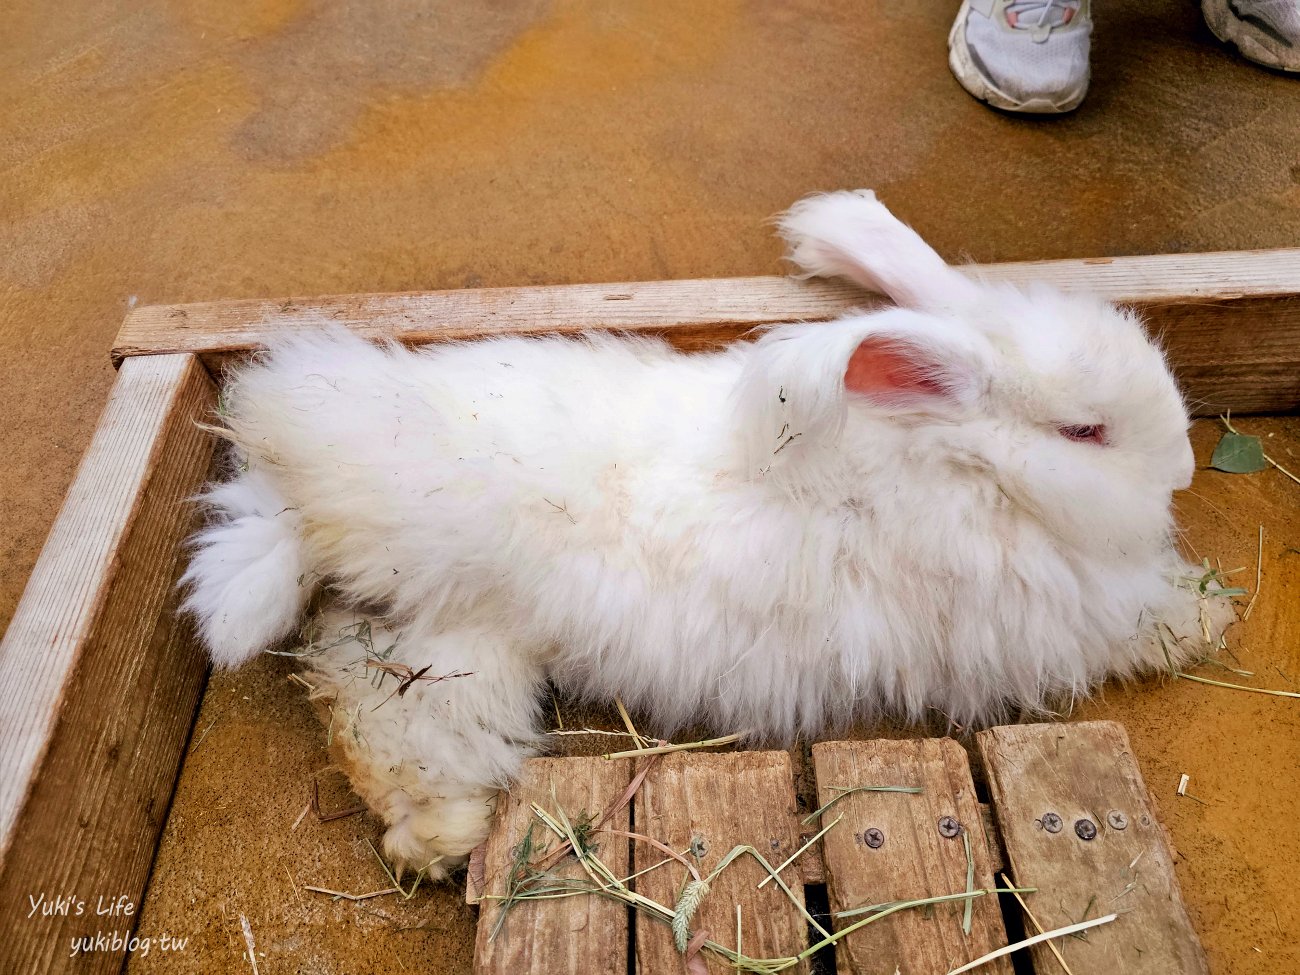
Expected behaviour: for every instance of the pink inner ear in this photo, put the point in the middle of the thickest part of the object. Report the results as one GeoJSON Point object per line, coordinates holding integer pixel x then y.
{"type": "Point", "coordinates": [888, 370]}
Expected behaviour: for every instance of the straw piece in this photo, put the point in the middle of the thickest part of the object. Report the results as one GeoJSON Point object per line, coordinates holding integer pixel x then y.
{"type": "Point", "coordinates": [351, 897]}
{"type": "Point", "coordinates": [970, 883]}
{"type": "Point", "coordinates": [1240, 687]}
{"type": "Point", "coordinates": [845, 792]}
{"type": "Point", "coordinates": [1259, 575]}
{"type": "Point", "coordinates": [1051, 945]}
{"type": "Point", "coordinates": [248, 940]}
{"type": "Point", "coordinates": [1029, 942]}
{"type": "Point", "coordinates": [637, 737]}
{"type": "Point", "coordinates": [685, 746]}
{"type": "Point", "coordinates": [793, 856]}
{"type": "Point", "coordinates": [738, 934]}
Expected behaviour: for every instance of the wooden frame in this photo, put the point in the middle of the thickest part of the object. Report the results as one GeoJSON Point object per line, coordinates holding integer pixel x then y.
{"type": "Point", "coordinates": [1230, 321]}
{"type": "Point", "coordinates": [99, 683]}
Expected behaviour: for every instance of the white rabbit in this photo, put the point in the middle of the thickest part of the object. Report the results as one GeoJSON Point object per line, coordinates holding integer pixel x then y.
{"type": "Point", "coordinates": [959, 503]}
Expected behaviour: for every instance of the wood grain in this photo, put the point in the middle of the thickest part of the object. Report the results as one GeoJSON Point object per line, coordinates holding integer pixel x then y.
{"type": "Point", "coordinates": [98, 680]}
{"type": "Point", "coordinates": [717, 802]}
{"type": "Point", "coordinates": [1084, 773]}
{"type": "Point", "coordinates": [913, 861]}
{"type": "Point", "coordinates": [1230, 321]}
{"type": "Point", "coordinates": [584, 934]}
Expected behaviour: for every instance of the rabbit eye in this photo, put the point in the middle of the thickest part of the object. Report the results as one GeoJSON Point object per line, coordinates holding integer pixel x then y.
{"type": "Point", "coordinates": [1092, 433]}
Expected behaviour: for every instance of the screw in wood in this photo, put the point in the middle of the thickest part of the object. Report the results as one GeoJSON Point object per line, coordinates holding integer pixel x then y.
{"type": "Point", "coordinates": [949, 827]}
{"type": "Point", "coordinates": [1085, 829]}
{"type": "Point", "coordinates": [1116, 819]}
{"type": "Point", "coordinates": [874, 838]}
{"type": "Point", "coordinates": [1051, 822]}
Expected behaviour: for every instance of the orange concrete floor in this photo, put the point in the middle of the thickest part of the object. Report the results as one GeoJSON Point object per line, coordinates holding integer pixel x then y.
{"type": "Point", "coordinates": [180, 150]}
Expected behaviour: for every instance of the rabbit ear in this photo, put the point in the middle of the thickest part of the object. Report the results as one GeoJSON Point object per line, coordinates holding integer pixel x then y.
{"type": "Point", "coordinates": [793, 396]}
{"type": "Point", "coordinates": [850, 234]}
{"type": "Point", "coordinates": [892, 371]}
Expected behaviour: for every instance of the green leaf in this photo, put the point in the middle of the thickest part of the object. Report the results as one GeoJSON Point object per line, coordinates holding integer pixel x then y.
{"type": "Point", "coordinates": [1239, 454]}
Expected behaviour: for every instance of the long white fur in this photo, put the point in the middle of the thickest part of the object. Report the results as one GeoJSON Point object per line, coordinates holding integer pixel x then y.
{"type": "Point", "coordinates": [246, 576]}
{"type": "Point", "coordinates": [731, 538]}
{"type": "Point", "coordinates": [850, 234]}
{"type": "Point", "coordinates": [430, 759]}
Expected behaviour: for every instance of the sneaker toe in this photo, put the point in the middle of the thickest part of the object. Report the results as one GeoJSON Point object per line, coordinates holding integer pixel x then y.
{"type": "Point", "coordinates": [1054, 71]}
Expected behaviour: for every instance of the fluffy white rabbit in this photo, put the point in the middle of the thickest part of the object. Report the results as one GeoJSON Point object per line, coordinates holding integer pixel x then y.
{"type": "Point", "coordinates": [959, 503]}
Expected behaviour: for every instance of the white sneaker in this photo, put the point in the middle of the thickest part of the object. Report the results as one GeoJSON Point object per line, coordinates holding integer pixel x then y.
{"type": "Point", "coordinates": [1024, 55]}
{"type": "Point", "coordinates": [1265, 31]}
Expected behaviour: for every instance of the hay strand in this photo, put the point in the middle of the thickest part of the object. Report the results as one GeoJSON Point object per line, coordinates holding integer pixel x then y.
{"type": "Point", "coordinates": [970, 884]}
{"type": "Point", "coordinates": [1051, 945]}
{"type": "Point", "coordinates": [1239, 687]}
{"type": "Point", "coordinates": [685, 746]}
{"type": "Point", "coordinates": [846, 791]}
{"type": "Point", "coordinates": [795, 855]}
{"type": "Point", "coordinates": [1259, 575]}
{"type": "Point", "coordinates": [340, 895]}
{"type": "Point", "coordinates": [248, 940]}
{"type": "Point", "coordinates": [1030, 942]}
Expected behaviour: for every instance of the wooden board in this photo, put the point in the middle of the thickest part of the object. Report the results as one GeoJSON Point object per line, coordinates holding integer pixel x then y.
{"type": "Point", "coordinates": [914, 859]}
{"type": "Point", "coordinates": [1229, 321]}
{"type": "Point", "coordinates": [716, 802]}
{"type": "Point", "coordinates": [585, 934]}
{"type": "Point", "coordinates": [1085, 774]}
{"type": "Point", "coordinates": [99, 682]}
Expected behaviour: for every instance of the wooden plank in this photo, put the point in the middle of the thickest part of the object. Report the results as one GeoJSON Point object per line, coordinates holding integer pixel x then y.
{"type": "Point", "coordinates": [714, 803]}
{"type": "Point", "coordinates": [476, 874]}
{"type": "Point", "coordinates": [1230, 321]}
{"type": "Point", "coordinates": [997, 855]}
{"type": "Point", "coordinates": [1240, 354]}
{"type": "Point", "coordinates": [1055, 784]}
{"type": "Point", "coordinates": [896, 846]}
{"type": "Point", "coordinates": [585, 934]}
{"type": "Point", "coordinates": [99, 682]}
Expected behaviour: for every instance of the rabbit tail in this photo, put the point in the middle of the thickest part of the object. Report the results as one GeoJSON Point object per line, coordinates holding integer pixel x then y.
{"type": "Point", "coordinates": [246, 578]}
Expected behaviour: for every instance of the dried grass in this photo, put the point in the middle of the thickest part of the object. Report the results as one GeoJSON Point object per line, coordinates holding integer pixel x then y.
{"type": "Point", "coordinates": [1038, 927]}
{"type": "Point", "coordinates": [685, 746]}
{"type": "Point", "coordinates": [846, 791]}
{"type": "Point", "coordinates": [526, 883]}
{"type": "Point", "coordinates": [1030, 942]}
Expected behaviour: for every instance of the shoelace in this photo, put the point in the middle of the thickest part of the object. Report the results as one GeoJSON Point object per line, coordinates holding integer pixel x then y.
{"type": "Point", "coordinates": [1040, 17]}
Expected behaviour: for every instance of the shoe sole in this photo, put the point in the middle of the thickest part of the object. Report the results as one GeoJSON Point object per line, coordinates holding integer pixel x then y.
{"type": "Point", "coordinates": [978, 86]}
{"type": "Point", "coordinates": [1253, 43]}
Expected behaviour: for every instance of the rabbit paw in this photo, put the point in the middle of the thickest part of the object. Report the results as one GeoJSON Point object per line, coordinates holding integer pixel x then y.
{"type": "Point", "coordinates": [434, 836]}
